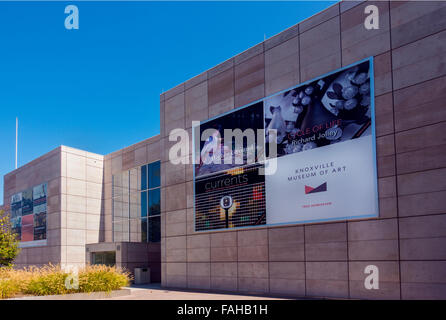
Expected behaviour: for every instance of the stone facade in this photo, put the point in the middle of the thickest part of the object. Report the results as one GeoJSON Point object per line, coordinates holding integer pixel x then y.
{"type": "Point", "coordinates": [407, 242]}
{"type": "Point", "coordinates": [141, 153]}
{"type": "Point", "coordinates": [74, 204]}
{"type": "Point", "coordinates": [82, 219]}
{"type": "Point", "coordinates": [47, 168]}
{"type": "Point", "coordinates": [131, 256]}
{"type": "Point", "coordinates": [79, 201]}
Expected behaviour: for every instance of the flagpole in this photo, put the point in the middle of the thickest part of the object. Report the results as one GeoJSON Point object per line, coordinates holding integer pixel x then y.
{"type": "Point", "coordinates": [16, 138]}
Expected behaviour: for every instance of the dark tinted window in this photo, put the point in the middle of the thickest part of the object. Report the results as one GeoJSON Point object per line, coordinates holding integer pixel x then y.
{"type": "Point", "coordinates": [144, 204]}
{"type": "Point", "coordinates": [154, 175]}
{"type": "Point", "coordinates": [107, 258]}
{"type": "Point", "coordinates": [154, 202]}
{"type": "Point", "coordinates": [155, 229]}
{"type": "Point", "coordinates": [144, 229]}
{"type": "Point", "coordinates": [143, 177]}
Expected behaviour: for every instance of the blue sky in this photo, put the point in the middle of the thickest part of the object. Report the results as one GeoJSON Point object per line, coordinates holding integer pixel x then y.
{"type": "Point", "coordinates": [97, 88]}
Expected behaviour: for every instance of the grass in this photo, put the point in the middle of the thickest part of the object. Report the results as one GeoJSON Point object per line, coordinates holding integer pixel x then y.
{"type": "Point", "coordinates": [53, 280]}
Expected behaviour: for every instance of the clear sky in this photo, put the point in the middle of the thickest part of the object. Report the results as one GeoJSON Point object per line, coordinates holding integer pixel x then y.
{"type": "Point", "coordinates": [97, 88]}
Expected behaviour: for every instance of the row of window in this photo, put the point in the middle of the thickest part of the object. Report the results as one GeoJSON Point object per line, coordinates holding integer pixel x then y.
{"type": "Point", "coordinates": [143, 178]}
{"type": "Point", "coordinates": [136, 197]}
{"type": "Point", "coordinates": [137, 230]}
{"type": "Point", "coordinates": [138, 204]}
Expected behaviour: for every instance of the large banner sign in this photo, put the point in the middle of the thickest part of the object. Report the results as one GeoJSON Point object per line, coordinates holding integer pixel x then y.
{"type": "Point", "coordinates": [325, 159]}
{"type": "Point", "coordinates": [28, 213]}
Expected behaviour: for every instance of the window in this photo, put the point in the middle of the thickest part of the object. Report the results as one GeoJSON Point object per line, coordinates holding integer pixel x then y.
{"type": "Point", "coordinates": [144, 177]}
{"type": "Point", "coordinates": [107, 258]}
{"type": "Point", "coordinates": [154, 202]}
{"type": "Point", "coordinates": [136, 204]}
{"type": "Point", "coordinates": [154, 175]}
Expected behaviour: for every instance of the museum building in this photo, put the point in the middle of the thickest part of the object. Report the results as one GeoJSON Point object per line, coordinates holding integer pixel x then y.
{"type": "Point", "coordinates": [357, 178]}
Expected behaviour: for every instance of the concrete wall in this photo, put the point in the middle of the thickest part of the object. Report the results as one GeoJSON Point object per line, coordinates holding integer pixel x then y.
{"type": "Point", "coordinates": [46, 168]}
{"type": "Point", "coordinates": [79, 199]}
{"type": "Point", "coordinates": [139, 154]}
{"type": "Point", "coordinates": [407, 242]}
{"type": "Point", "coordinates": [131, 256]}
{"type": "Point", "coordinates": [74, 204]}
{"type": "Point", "coordinates": [82, 219]}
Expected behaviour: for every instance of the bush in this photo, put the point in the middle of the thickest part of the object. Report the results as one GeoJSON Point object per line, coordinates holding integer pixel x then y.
{"type": "Point", "coordinates": [102, 278]}
{"type": "Point", "coordinates": [9, 245]}
{"type": "Point", "coordinates": [8, 288]}
{"type": "Point", "coordinates": [52, 280]}
{"type": "Point", "coordinates": [49, 280]}
{"type": "Point", "coordinates": [12, 282]}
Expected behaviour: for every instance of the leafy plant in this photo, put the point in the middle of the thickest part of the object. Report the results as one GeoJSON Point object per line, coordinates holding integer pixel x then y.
{"type": "Point", "coordinates": [9, 245]}
{"type": "Point", "coordinates": [12, 282]}
{"type": "Point", "coordinates": [48, 280]}
{"type": "Point", "coordinates": [102, 278]}
{"type": "Point", "coordinates": [8, 288]}
{"type": "Point", "coordinates": [51, 280]}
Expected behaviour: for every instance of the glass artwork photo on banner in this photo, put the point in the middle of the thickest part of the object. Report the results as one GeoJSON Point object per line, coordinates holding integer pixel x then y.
{"type": "Point", "coordinates": [330, 110]}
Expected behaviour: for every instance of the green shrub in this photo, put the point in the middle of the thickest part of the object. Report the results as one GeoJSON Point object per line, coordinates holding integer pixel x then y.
{"type": "Point", "coordinates": [9, 245]}
{"type": "Point", "coordinates": [50, 284]}
{"type": "Point", "coordinates": [102, 278]}
{"type": "Point", "coordinates": [51, 280]}
{"type": "Point", "coordinates": [8, 288]}
{"type": "Point", "coordinates": [12, 282]}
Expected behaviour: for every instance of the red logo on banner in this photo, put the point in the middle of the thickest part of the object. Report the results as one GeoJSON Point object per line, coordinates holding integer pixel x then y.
{"type": "Point", "coordinates": [321, 188]}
